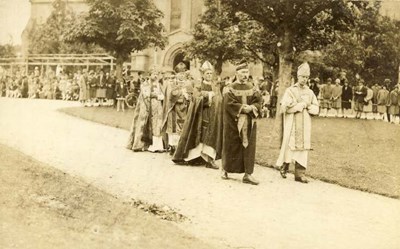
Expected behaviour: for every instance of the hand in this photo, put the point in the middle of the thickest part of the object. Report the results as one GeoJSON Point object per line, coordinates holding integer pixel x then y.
{"type": "Point", "coordinates": [247, 109]}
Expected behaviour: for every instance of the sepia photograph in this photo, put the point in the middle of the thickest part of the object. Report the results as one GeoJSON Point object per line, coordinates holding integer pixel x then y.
{"type": "Point", "coordinates": [237, 124]}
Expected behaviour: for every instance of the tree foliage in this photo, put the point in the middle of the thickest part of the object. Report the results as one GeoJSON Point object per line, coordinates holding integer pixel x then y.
{"type": "Point", "coordinates": [7, 50]}
{"type": "Point", "coordinates": [47, 38]}
{"type": "Point", "coordinates": [371, 49]}
{"type": "Point", "coordinates": [214, 38]}
{"type": "Point", "coordinates": [297, 25]}
{"type": "Point", "coordinates": [120, 27]}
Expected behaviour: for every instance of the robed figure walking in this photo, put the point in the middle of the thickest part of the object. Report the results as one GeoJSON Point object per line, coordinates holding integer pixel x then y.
{"type": "Point", "coordinates": [241, 106]}
{"type": "Point", "coordinates": [145, 132]}
{"type": "Point", "coordinates": [297, 104]}
{"type": "Point", "coordinates": [201, 136]}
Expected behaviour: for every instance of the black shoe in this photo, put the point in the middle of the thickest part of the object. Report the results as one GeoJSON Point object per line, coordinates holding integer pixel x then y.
{"type": "Point", "coordinates": [250, 180]}
{"type": "Point", "coordinates": [301, 179]}
{"type": "Point", "coordinates": [224, 175]}
{"type": "Point", "coordinates": [212, 165]}
{"type": "Point", "coordinates": [284, 169]}
{"type": "Point", "coordinates": [172, 150]}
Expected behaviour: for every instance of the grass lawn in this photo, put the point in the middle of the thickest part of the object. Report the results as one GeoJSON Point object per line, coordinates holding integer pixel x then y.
{"type": "Point", "coordinates": [358, 154]}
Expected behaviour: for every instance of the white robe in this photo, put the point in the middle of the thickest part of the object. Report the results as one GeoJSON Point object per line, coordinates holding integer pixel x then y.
{"type": "Point", "coordinates": [297, 124]}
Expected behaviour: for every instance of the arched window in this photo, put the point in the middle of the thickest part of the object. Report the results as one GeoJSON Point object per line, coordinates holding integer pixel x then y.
{"type": "Point", "coordinates": [180, 57]}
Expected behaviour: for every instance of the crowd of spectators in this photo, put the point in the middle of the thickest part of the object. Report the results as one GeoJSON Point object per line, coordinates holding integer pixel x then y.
{"type": "Point", "coordinates": [337, 98]}
{"type": "Point", "coordinates": [370, 101]}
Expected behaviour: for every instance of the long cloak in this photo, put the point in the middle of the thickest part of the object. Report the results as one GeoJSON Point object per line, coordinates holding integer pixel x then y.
{"type": "Point", "coordinates": [239, 145]}
{"type": "Point", "coordinates": [296, 140]}
{"type": "Point", "coordinates": [175, 109]}
{"type": "Point", "coordinates": [202, 130]}
{"type": "Point", "coordinates": [141, 132]}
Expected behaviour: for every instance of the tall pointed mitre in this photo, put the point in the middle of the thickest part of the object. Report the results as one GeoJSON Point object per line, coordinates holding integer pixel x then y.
{"type": "Point", "coordinates": [303, 70]}
{"type": "Point", "coordinates": [206, 66]}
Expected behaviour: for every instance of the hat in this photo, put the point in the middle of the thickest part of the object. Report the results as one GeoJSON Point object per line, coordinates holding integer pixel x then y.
{"type": "Point", "coordinates": [153, 69]}
{"type": "Point", "coordinates": [206, 66]}
{"type": "Point", "coordinates": [303, 70]}
{"type": "Point", "coordinates": [387, 81]}
{"type": "Point", "coordinates": [316, 80]}
{"type": "Point", "coordinates": [242, 65]}
{"type": "Point", "coordinates": [337, 81]}
{"type": "Point", "coordinates": [180, 68]}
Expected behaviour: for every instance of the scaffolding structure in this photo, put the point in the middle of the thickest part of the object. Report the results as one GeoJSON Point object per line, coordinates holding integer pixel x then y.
{"type": "Point", "coordinates": [47, 60]}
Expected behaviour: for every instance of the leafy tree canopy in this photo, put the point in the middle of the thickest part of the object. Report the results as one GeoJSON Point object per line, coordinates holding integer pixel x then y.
{"type": "Point", "coordinates": [120, 27]}
{"type": "Point", "coordinates": [47, 38]}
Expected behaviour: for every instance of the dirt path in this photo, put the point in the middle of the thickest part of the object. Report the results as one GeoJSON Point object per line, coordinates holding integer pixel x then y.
{"type": "Point", "coordinates": [276, 214]}
{"type": "Point", "coordinates": [44, 208]}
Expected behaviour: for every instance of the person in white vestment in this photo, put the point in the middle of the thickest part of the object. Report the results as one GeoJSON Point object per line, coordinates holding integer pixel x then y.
{"type": "Point", "coordinates": [297, 104]}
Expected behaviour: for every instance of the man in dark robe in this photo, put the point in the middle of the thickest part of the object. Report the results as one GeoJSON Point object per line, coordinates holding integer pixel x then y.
{"type": "Point", "coordinates": [201, 136]}
{"type": "Point", "coordinates": [241, 107]}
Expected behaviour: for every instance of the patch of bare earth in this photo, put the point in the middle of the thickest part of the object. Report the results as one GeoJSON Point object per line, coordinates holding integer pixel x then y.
{"type": "Point", "coordinates": [42, 207]}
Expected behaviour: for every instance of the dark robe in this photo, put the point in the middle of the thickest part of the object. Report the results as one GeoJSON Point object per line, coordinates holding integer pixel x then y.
{"type": "Point", "coordinates": [203, 124]}
{"type": "Point", "coordinates": [236, 158]}
{"type": "Point", "coordinates": [347, 96]}
{"type": "Point", "coordinates": [110, 84]}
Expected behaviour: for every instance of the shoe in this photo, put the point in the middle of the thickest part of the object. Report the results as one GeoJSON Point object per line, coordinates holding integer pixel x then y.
{"type": "Point", "coordinates": [301, 179]}
{"type": "Point", "coordinates": [212, 165]}
{"type": "Point", "coordinates": [224, 175]}
{"type": "Point", "coordinates": [172, 150]}
{"type": "Point", "coordinates": [250, 180]}
{"type": "Point", "coordinates": [299, 173]}
{"type": "Point", "coordinates": [284, 169]}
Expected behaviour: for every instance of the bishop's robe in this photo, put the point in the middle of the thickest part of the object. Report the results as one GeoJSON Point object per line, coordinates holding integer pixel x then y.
{"type": "Point", "coordinates": [297, 124]}
{"type": "Point", "coordinates": [240, 129]}
{"type": "Point", "coordinates": [147, 119]}
{"type": "Point", "coordinates": [202, 131]}
{"type": "Point", "coordinates": [177, 99]}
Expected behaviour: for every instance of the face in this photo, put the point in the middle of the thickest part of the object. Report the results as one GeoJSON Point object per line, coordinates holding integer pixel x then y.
{"type": "Point", "coordinates": [302, 80]}
{"type": "Point", "coordinates": [154, 75]}
{"type": "Point", "coordinates": [180, 76]}
{"type": "Point", "coordinates": [170, 78]}
{"type": "Point", "coordinates": [243, 74]}
{"type": "Point", "coordinates": [208, 75]}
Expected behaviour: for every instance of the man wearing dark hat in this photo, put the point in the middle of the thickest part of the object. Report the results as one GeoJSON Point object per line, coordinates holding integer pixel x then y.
{"type": "Point", "coordinates": [241, 106]}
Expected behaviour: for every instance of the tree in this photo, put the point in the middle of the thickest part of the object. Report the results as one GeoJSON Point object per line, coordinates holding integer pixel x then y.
{"type": "Point", "coordinates": [7, 50]}
{"type": "Point", "coordinates": [371, 49]}
{"type": "Point", "coordinates": [297, 25]}
{"type": "Point", "coordinates": [214, 38]}
{"type": "Point", "coordinates": [47, 38]}
{"type": "Point", "coordinates": [120, 27]}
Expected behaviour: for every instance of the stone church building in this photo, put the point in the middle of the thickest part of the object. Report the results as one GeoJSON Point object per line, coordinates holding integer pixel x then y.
{"type": "Point", "coordinates": [180, 17]}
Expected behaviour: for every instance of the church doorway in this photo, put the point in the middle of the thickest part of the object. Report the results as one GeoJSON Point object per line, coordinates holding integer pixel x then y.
{"type": "Point", "coordinates": [180, 57]}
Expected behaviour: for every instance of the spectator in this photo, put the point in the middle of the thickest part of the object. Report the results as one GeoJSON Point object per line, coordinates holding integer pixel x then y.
{"type": "Point", "coordinates": [337, 92]}
{"type": "Point", "coordinates": [382, 99]}
{"type": "Point", "coordinates": [359, 94]}
{"type": "Point", "coordinates": [393, 105]}
{"type": "Point", "coordinates": [121, 92]}
{"type": "Point", "coordinates": [326, 95]}
{"type": "Point", "coordinates": [367, 109]}
{"type": "Point", "coordinates": [347, 96]}
{"type": "Point", "coordinates": [375, 89]}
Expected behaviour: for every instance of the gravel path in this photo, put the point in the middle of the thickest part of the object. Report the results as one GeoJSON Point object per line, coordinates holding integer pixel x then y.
{"type": "Point", "coordinates": [276, 214]}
